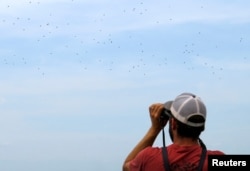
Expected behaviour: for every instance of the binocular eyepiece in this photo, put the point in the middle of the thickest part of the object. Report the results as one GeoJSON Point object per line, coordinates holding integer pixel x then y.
{"type": "Point", "coordinates": [165, 115]}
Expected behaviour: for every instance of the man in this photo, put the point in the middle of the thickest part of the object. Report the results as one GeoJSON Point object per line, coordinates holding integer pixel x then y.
{"type": "Point", "coordinates": [186, 116]}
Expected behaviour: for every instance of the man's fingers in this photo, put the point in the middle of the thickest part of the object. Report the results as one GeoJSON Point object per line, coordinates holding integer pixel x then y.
{"type": "Point", "coordinates": [155, 109]}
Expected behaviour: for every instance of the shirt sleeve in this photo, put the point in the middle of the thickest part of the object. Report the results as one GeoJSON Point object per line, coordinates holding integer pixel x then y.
{"type": "Point", "coordinates": [137, 163]}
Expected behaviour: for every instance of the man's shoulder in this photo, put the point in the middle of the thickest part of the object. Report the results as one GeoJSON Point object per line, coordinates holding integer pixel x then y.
{"type": "Point", "coordinates": [215, 152]}
{"type": "Point", "coordinates": [150, 151]}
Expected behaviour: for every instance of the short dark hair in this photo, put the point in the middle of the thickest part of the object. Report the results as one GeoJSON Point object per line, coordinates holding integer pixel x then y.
{"type": "Point", "coordinates": [189, 131]}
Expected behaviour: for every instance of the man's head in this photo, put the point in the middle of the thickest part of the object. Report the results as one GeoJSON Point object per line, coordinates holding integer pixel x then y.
{"type": "Point", "coordinates": [188, 114]}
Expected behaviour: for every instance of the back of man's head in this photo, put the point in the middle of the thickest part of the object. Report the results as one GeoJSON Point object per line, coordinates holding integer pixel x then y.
{"type": "Point", "coordinates": [190, 113]}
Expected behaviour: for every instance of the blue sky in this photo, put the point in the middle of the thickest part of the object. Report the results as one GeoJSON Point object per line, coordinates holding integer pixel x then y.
{"type": "Point", "coordinates": [77, 77]}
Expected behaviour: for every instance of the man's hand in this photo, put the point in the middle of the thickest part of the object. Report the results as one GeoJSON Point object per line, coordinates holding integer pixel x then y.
{"type": "Point", "coordinates": [155, 111]}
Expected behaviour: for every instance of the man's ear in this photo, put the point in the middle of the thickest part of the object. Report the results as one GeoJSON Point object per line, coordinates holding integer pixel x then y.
{"type": "Point", "coordinates": [174, 124]}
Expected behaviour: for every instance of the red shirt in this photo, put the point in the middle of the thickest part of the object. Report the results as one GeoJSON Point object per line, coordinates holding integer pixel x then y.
{"type": "Point", "coordinates": [181, 158]}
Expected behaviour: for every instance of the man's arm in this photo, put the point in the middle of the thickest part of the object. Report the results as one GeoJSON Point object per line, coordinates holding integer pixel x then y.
{"type": "Point", "coordinates": [148, 140]}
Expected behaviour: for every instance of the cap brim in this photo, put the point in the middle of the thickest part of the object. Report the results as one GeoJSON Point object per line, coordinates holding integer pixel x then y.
{"type": "Point", "coordinates": [167, 107]}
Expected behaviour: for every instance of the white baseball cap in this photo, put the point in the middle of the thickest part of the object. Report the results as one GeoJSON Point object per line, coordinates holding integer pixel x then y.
{"type": "Point", "coordinates": [185, 106]}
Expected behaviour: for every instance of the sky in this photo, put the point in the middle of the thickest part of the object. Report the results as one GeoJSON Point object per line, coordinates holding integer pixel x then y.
{"type": "Point", "coordinates": [77, 77]}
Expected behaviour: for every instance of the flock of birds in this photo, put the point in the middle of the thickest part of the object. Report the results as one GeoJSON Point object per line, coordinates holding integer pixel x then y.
{"type": "Point", "coordinates": [74, 44]}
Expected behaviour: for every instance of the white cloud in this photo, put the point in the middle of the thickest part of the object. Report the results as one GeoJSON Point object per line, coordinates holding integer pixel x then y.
{"type": "Point", "coordinates": [2, 100]}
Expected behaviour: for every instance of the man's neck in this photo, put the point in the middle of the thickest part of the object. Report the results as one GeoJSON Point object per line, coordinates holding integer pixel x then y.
{"type": "Point", "coordinates": [183, 141]}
